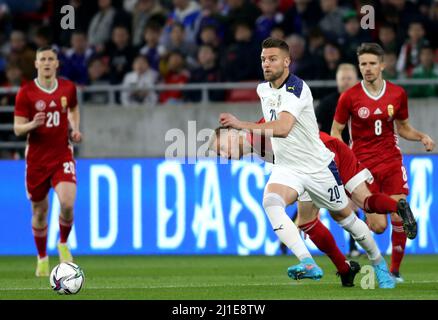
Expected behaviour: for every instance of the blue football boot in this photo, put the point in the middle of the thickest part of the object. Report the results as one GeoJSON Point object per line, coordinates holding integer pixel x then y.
{"type": "Point", "coordinates": [306, 269]}
{"type": "Point", "coordinates": [384, 277]}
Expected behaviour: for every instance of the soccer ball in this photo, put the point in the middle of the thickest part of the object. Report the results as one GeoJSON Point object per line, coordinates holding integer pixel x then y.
{"type": "Point", "coordinates": [67, 278]}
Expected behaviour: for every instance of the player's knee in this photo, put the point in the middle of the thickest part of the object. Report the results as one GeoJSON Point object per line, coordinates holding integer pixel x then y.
{"type": "Point", "coordinates": [273, 200]}
{"type": "Point", "coordinates": [377, 228]}
{"type": "Point", "coordinates": [67, 207]}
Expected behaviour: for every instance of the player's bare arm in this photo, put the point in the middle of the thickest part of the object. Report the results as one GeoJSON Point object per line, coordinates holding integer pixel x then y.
{"type": "Point", "coordinates": [277, 128]}
{"type": "Point", "coordinates": [22, 125]}
{"type": "Point", "coordinates": [405, 130]}
{"type": "Point", "coordinates": [337, 129]}
{"type": "Point", "coordinates": [74, 119]}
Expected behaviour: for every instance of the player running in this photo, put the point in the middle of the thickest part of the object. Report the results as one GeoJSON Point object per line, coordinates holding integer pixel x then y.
{"type": "Point", "coordinates": [302, 162]}
{"type": "Point", "coordinates": [371, 108]}
{"type": "Point", "coordinates": [44, 110]}
{"type": "Point", "coordinates": [232, 144]}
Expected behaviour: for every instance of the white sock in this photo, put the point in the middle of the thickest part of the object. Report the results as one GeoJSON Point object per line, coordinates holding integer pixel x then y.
{"type": "Point", "coordinates": [283, 226]}
{"type": "Point", "coordinates": [362, 234]}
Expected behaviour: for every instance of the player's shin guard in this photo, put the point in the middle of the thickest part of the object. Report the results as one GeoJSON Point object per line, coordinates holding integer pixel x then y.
{"type": "Point", "coordinates": [283, 226]}
{"type": "Point", "coordinates": [325, 242]}
{"type": "Point", "coordinates": [64, 229]}
{"type": "Point", "coordinates": [40, 237]}
{"type": "Point", "coordinates": [398, 239]}
{"type": "Point", "coordinates": [380, 203]}
{"type": "Point", "coordinates": [362, 234]}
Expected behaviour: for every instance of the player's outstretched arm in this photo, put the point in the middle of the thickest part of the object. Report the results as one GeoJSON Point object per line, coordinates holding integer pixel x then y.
{"type": "Point", "coordinates": [337, 129]}
{"type": "Point", "coordinates": [74, 119]}
{"type": "Point", "coordinates": [277, 128]}
{"type": "Point", "coordinates": [22, 125]}
{"type": "Point", "coordinates": [405, 130]}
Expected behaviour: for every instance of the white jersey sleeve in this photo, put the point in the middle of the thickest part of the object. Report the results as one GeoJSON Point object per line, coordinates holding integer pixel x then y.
{"type": "Point", "coordinates": [302, 150]}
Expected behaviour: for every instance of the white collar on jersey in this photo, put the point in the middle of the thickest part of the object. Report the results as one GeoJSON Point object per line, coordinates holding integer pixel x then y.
{"type": "Point", "coordinates": [37, 83]}
{"type": "Point", "coordinates": [382, 91]}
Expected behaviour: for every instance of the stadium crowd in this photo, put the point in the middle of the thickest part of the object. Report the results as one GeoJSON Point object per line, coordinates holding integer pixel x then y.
{"type": "Point", "coordinates": [143, 42]}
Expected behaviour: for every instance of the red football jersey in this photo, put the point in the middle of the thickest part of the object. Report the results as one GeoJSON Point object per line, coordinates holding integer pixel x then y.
{"type": "Point", "coordinates": [371, 121]}
{"type": "Point", "coordinates": [49, 143]}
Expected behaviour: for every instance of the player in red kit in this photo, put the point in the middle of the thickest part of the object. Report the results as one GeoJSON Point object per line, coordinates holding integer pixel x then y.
{"type": "Point", "coordinates": [46, 111]}
{"type": "Point", "coordinates": [374, 109]}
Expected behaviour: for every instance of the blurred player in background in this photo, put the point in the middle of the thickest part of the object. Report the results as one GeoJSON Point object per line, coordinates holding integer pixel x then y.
{"type": "Point", "coordinates": [371, 107]}
{"type": "Point", "coordinates": [46, 111]}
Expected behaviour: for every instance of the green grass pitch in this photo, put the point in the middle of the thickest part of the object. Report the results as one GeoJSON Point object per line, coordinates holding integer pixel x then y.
{"type": "Point", "coordinates": [209, 278]}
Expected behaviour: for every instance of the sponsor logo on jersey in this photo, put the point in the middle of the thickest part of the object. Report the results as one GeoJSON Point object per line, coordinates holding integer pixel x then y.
{"type": "Point", "coordinates": [40, 105]}
{"type": "Point", "coordinates": [64, 103]}
{"type": "Point", "coordinates": [390, 110]}
{"type": "Point", "coordinates": [52, 104]}
{"type": "Point", "coordinates": [378, 111]}
{"type": "Point", "coordinates": [363, 112]}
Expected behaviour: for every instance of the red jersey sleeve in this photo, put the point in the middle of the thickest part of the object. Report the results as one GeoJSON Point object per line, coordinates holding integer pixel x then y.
{"type": "Point", "coordinates": [342, 113]}
{"type": "Point", "coordinates": [73, 97]}
{"type": "Point", "coordinates": [22, 105]}
{"type": "Point", "coordinates": [403, 113]}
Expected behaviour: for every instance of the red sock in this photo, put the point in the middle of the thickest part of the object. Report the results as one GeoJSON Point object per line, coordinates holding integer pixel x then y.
{"type": "Point", "coordinates": [398, 239]}
{"type": "Point", "coordinates": [380, 203]}
{"type": "Point", "coordinates": [325, 242]}
{"type": "Point", "coordinates": [64, 229]}
{"type": "Point", "coordinates": [40, 236]}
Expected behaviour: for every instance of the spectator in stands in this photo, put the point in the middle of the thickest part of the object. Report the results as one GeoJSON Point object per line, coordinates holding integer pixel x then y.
{"type": "Point", "coordinates": [401, 13]}
{"type": "Point", "coordinates": [316, 41]}
{"type": "Point", "coordinates": [138, 79]}
{"type": "Point", "coordinates": [240, 11]}
{"type": "Point", "coordinates": [151, 47]}
{"type": "Point", "coordinates": [302, 17]}
{"type": "Point", "coordinates": [387, 38]}
{"type": "Point", "coordinates": [208, 35]}
{"type": "Point", "coordinates": [210, 16]}
{"type": "Point", "coordinates": [207, 72]}
{"type": "Point", "coordinates": [176, 73]}
{"type": "Point", "coordinates": [99, 31]}
{"type": "Point", "coordinates": [97, 75]}
{"type": "Point", "coordinates": [409, 56]}
{"type": "Point", "coordinates": [433, 18]}
{"type": "Point", "coordinates": [242, 58]}
{"type": "Point", "coordinates": [14, 78]}
{"type": "Point", "coordinates": [302, 64]}
{"type": "Point", "coordinates": [74, 61]}
{"type": "Point", "coordinates": [390, 72]}
{"type": "Point", "coordinates": [269, 18]}
{"type": "Point", "coordinates": [327, 70]}
{"type": "Point", "coordinates": [185, 12]}
{"type": "Point", "coordinates": [21, 54]}
{"type": "Point", "coordinates": [177, 41]}
{"type": "Point", "coordinates": [331, 23]}
{"type": "Point", "coordinates": [353, 37]}
{"type": "Point", "coordinates": [277, 32]}
{"type": "Point", "coordinates": [143, 11]}
{"type": "Point", "coordinates": [121, 54]}
{"type": "Point", "coordinates": [427, 69]}
{"type": "Point", "coordinates": [43, 37]}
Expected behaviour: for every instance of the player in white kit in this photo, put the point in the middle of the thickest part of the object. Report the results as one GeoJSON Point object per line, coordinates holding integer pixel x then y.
{"type": "Point", "coordinates": [302, 162]}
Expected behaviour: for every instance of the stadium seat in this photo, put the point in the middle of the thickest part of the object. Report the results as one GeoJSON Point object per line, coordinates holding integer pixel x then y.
{"type": "Point", "coordinates": [242, 95]}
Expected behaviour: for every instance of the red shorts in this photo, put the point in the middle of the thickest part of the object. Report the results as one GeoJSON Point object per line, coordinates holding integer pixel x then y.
{"type": "Point", "coordinates": [390, 178]}
{"type": "Point", "coordinates": [39, 179]}
{"type": "Point", "coordinates": [352, 172]}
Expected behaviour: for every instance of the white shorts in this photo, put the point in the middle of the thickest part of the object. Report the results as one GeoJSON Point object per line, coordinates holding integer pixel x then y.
{"type": "Point", "coordinates": [324, 188]}
{"type": "Point", "coordinates": [363, 176]}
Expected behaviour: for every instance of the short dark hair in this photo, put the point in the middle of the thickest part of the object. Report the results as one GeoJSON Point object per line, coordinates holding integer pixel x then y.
{"type": "Point", "coordinates": [371, 48]}
{"type": "Point", "coordinates": [47, 48]}
{"type": "Point", "coordinates": [275, 43]}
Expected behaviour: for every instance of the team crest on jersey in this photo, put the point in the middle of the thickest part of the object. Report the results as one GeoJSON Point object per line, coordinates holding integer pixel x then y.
{"type": "Point", "coordinates": [363, 112]}
{"type": "Point", "coordinates": [63, 103]}
{"type": "Point", "coordinates": [390, 110]}
{"type": "Point", "coordinates": [40, 105]}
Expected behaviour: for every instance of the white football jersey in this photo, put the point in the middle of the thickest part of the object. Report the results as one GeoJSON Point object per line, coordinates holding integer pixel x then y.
{"type": "Point", "coordinates": [302, 150]}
